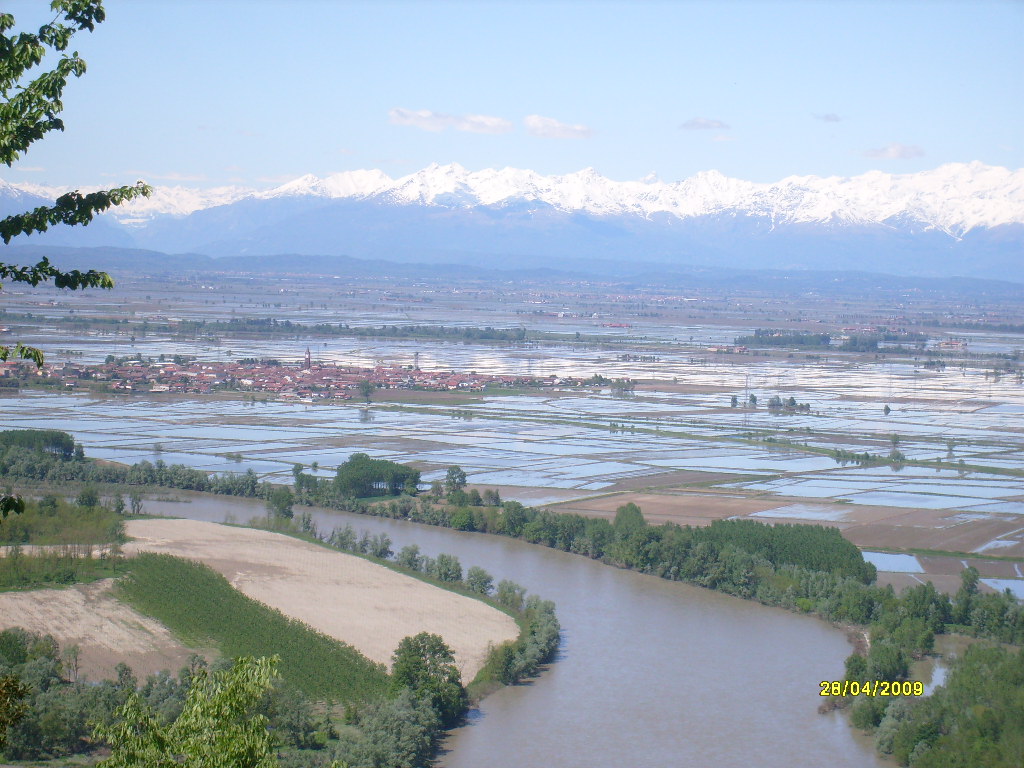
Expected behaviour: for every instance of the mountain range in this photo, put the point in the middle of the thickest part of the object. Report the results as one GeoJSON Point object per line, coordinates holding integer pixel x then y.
{"type": "Point", "coordinates": [961, 219]}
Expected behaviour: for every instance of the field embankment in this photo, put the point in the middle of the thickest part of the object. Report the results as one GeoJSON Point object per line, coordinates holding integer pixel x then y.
{"type": "Point", "coordinates": [366, 605]}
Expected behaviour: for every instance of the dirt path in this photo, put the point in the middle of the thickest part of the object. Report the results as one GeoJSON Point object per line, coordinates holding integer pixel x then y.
{"type": "Point", "coordinates": [366, 605]}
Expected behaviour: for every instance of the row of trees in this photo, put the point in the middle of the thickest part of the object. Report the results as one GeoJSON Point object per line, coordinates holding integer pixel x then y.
{"type": "Point", "coordinates": [809, 568]}
{"type": "Point", "coordinates": [771, 337]}
{"type": "Point", "coordinates": [51, 441]}
{"type": "Point", "coordinates": [510, 662]}
{"type": "Point", "coordinates": [270, 326]}
{"type": "Point", "coordinates": [25, 463]}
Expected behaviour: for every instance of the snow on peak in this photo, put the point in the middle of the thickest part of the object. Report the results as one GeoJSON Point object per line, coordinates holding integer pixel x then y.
{"type": "Point", "coordinates": [304, 186]}
{"type": "Point", "coordinates": [953, 198]}
{"type": "Point", "coordinates": [164, 200]}
{"type": "Point", "coordinates": [174, 201]}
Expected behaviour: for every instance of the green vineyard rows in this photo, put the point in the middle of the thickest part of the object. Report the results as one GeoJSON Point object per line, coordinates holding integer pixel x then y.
{"type": "Point", "coordinates": [201, 607]}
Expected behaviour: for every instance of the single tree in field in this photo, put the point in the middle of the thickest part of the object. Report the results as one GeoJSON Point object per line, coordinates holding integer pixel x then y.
{"type": "Point", "coordinates": [30, 103]}
{"type": "Point", "coordinates": [366, 389]}
{"type": "Point", "coordinates": [426, 666]}
{"type": "Point", "coordinates": [135, 500]}
{"type": "Point", "coordinates": [280, 501]}
{"type": "Point", "coordinates": [455, 479]}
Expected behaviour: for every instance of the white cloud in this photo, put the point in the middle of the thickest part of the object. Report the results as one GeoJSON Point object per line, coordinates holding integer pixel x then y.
{"type": "Point", "coordinates": [30, 168]}
{"type": "Point", "coordinates": [704, 124]}
{"type": "Point", "coordinates": [723, 137]}
{"type": "Point", "coordinates": [896, 151]}
{"type": "Point", "coordinates": [427, 120]}
{"type": "Point", "coordinates": [483, 124]}
{"type": "Point", "coordinates": [829, 117]}
{"type": "Point", "coordinates": [549, 128]}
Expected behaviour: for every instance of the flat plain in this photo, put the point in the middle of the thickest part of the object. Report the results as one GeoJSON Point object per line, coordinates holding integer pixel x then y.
{"type": "Point", "coordinates": [691, 440]}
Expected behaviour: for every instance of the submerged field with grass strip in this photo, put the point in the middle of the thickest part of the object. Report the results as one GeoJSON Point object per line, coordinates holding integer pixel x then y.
{"type": "Point", "coordinates": [201, 607]}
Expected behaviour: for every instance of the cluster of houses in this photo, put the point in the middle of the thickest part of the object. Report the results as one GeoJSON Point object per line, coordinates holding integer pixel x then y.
{"type": "Point", "coordinates": [305, 381]}
{"type": "Point", "coordinates": [728, 349]}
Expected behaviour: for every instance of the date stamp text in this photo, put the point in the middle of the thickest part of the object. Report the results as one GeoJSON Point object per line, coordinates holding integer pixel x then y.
{"type": "Point", "coordinates": [871, 688]}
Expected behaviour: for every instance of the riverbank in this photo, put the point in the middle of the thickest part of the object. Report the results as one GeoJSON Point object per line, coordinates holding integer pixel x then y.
{"type": "Point", "coordinates": [358, 602]}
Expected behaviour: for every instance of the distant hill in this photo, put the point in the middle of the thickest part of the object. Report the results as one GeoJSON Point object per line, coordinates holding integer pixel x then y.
{"type": "Point", "coordinates": [122, 262]}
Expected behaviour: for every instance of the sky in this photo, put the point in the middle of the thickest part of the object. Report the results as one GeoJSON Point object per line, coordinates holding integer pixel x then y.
{"type": "Point", "coordinates": [256, 93]}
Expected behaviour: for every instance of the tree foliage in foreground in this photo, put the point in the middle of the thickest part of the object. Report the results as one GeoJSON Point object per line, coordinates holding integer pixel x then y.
{"type": "Point", "coordinates": [975, 719]}
{"type": "Point", "coordinates": [217, 728]}
{"type": "Point", "coordinates": [13, 708]}
{"type": "Point", "coordinates": [30, 103]}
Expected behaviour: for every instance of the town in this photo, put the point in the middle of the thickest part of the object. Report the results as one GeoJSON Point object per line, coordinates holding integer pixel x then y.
{"type": "Point", "coordinates": [305, 381]}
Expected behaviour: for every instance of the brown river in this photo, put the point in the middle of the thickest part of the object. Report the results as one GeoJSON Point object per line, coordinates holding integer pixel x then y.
{"type": "Point", "coordinates": [650, 673]}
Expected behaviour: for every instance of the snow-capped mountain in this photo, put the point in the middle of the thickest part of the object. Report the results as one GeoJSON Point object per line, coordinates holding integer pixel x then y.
{"type": "Point", "coordinates": [165, 200]}
{"type": "Point", "coordinates": [954, 198]}
{"type": "Point", "coordinates": [961, 218]}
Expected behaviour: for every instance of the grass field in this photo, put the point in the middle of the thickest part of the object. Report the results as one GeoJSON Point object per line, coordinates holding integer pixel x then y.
{"type": "Point", "coordinates": [58, 566]}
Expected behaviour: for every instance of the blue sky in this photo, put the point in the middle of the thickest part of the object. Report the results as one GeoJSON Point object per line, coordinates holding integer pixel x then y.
{"type": "Point", "coordinates": [259, 92]}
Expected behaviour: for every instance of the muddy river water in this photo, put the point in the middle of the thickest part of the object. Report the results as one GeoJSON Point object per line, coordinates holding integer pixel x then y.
{"type": "Point", "coordinates": [650, 673]}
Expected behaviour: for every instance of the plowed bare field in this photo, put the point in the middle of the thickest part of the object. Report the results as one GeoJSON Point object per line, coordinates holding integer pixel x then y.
{"type": "Point", "coordinates": [107, 632]}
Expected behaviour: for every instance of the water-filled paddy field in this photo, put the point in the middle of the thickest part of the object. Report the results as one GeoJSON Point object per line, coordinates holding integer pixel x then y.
{"type": "Point", "coordinates": [676, 435]}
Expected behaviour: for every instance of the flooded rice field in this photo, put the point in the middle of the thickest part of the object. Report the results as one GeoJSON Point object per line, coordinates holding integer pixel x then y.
{"type": "Point", "coordinates": [694, 441]}
{"type": "Point", "coordinates": [567, 446]}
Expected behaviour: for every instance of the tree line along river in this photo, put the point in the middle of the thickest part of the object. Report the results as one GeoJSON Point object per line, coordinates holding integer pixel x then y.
{"type": "Point", "coordinates": [650, 672]}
